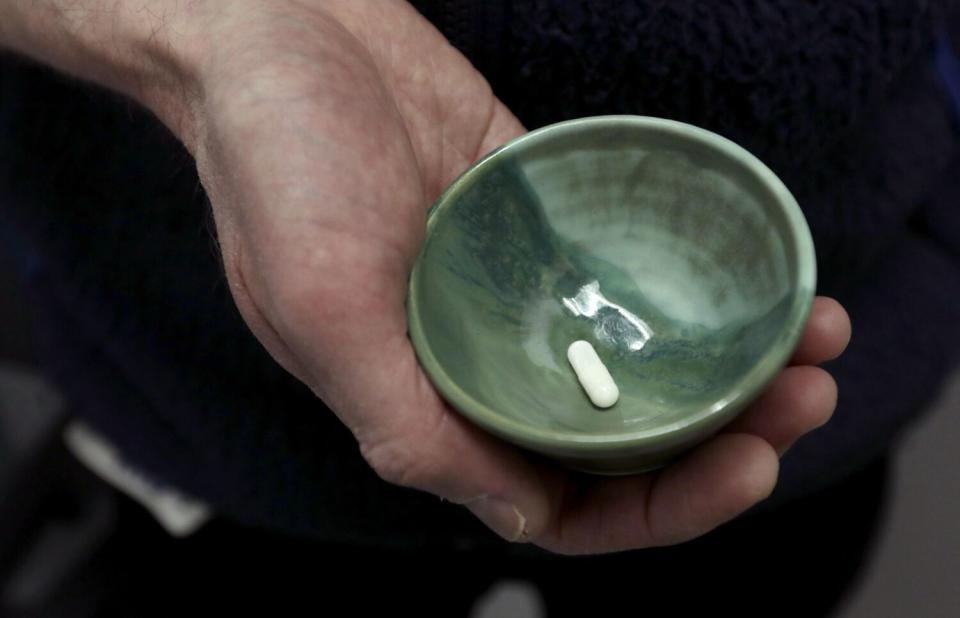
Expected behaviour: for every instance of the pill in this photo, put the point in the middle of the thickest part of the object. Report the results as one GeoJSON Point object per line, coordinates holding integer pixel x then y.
{"type": "Point", "coordinates": [593, 374]}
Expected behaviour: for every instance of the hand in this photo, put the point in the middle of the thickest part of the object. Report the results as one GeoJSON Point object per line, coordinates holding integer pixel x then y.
{"type": "Point", "coordinates": [325, 135]}
{"type": "Point", "coordinates": [322, 131]}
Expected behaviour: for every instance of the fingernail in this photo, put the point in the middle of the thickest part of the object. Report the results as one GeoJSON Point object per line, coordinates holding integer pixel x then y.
{"type": "Point", "coordinates": [501, 517]}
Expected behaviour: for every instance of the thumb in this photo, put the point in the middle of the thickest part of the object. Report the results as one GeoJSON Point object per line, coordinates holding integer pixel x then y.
{"type": "Point", "coordinates": [419, 442]}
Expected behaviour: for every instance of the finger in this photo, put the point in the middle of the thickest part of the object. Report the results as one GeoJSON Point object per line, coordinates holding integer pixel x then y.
{"type": "Point", "coordinates": [708, 487]}
{"type": "Point", "coordinates": [826, 334]}
{"type": "Point", "coordinates": [711, 486]}
{"type": "Point", "coordinates": [798, 400]}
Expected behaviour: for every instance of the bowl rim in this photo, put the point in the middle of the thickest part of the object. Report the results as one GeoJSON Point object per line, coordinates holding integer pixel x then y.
{"type": "Point", "coordinates": [737, 396]}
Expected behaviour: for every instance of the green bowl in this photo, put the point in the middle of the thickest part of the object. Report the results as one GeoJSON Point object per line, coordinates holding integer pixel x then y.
{"type": "Point", "coordinates": [681, 257]}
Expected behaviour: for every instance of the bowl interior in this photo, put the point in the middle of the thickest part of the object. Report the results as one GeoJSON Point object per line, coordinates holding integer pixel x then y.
{"type": "Point", "coordinates": [681, 258]}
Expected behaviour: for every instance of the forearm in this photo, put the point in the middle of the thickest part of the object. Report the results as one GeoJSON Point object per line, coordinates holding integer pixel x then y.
{"type": "Point", "coordinates": [141, 48]}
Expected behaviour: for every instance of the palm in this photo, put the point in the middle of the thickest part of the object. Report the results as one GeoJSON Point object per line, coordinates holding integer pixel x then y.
{"type": "Point", "coordinates": [324, 147]}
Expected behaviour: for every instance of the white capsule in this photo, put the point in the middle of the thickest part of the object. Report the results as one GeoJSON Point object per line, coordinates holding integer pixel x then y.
{"type": "Point", "coordinates": [593, 374]}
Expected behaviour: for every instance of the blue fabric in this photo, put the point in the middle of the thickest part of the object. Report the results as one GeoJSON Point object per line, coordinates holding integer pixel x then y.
{"type": "Point", "coordinates": [948, 66]}
{"type": "Point", "coordinates": [846, 101]}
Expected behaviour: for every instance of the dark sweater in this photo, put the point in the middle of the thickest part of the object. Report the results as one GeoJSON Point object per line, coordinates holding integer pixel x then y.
{"type": "Point", "coordinates": [103, 214]}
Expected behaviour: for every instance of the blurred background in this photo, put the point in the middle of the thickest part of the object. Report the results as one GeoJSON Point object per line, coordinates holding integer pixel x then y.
{"type": "Point", "coordinates": [66, 534]}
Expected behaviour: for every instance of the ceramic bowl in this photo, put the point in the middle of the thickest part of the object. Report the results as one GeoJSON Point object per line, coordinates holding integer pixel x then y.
{"type": "Point", "coordinates": [678, 255]}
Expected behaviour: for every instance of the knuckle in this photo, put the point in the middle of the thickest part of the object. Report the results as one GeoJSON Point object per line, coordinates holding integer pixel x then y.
{"type": "Point", "coordinates": [410, 460]}
{"type": "Point", "coordinates": [396, 462]}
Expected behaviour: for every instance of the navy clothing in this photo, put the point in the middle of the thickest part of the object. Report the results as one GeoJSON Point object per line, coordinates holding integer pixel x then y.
{"type": "Point", "coordinates": [790, 563]}
{"type": "Point", "coordinates": [847, 101]}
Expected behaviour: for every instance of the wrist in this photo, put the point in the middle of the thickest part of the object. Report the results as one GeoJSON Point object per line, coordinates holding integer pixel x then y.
{"type": "Point", "coordinates": [146, 50]}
